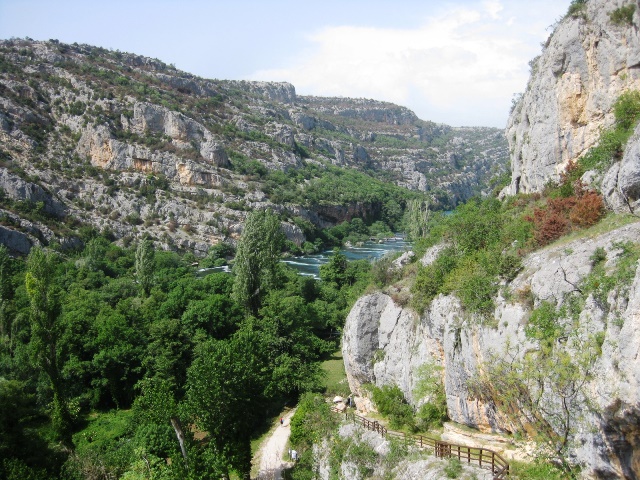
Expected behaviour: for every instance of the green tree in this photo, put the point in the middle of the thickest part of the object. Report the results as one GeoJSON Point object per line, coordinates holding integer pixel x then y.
{"type": "Point", "coordinates": [5, 283]}
{"type": "Point", "coordinates": [257, 259]}
{"type": "Point", "coordinates": [156, 407]}
{"type": "Point", "coordinates": [418, 218]}
{"type": "Point", "coordinates": [335, 270]}
{"type": "Point", "coordinates": [431, 388]}
{"type": "Point", "coordinates": [224, 396]}
{"type": "Point", "coordinates": [145, 265]}
{"type": "Point", "coordinates": [44, 300]}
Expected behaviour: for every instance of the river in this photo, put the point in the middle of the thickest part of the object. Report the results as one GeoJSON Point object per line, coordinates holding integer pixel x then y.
{"type": "Point", "coordinates": [309, 265]}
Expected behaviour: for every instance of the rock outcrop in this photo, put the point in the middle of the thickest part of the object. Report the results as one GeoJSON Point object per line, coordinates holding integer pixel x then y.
{"type": "Point", "coordinates": [18, 189]}
{"type": "Point", "coordinates": [621, 184]}
{"type": "Point", "coordinates": [586, 64]}
{"type": "Point", "coordinates": [385, 343]}
{"type": "Point", "coordinates": [133, 147]}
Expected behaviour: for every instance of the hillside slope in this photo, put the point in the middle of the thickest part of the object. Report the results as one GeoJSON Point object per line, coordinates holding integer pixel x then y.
{"type": "Point", "coordinates": [131, 146]}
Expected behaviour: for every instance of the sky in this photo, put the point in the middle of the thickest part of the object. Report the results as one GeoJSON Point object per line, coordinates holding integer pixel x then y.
{"type": "Point", "coordinates": [456, 62]}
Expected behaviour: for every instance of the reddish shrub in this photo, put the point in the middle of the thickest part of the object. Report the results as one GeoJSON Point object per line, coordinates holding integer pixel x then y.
{"type": "Point", "coordinates": [549, 225]}
{"type": "Point", "coordinates": [560, 215]}
{"type": "Point", "coordinates": [588, 210]}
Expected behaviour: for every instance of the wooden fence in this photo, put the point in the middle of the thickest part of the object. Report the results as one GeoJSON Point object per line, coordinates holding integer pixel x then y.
{"type": "Point", "coordinates": [483, 457]}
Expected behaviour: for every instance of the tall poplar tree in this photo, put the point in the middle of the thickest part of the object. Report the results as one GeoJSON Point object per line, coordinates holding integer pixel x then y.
{"type": "Point", "coordinates": [257, 257]}
{"type": "Point", "coordinates": [46, 330]}
{"type": "Point", "coordinates": [144, 265]}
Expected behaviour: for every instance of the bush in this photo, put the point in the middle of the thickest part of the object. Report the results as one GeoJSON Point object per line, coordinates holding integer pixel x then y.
{"type": "Point", "coordinates": [133, 218]}
{"type": "Point", "coordinates": [598, 256]}
{"type": "Point", "coordinates": [623, 15]}
{"type": "Point", "coordinates": [562, 214]}
{"type": "Point", "coordinates": [543, 324]}
{"type": "Point", "coordinates": [588, 210]}
{"type": "Point", "coordinates": [311, 422]}
{"type": "Point", "coordinates": [453, 468]}
{"type": "Point", "coordinates": [391, 403]}
{"type": "Point", "coordinates": [536, 471]}
{"type": "Point", "coordinates": [577, 8]}
{"type": "Point", "coordinates": [510, 266]}
{"type": "Point", "coordinates": [431, 279]}
{"type": "Point", "coordinates": [627, 108]}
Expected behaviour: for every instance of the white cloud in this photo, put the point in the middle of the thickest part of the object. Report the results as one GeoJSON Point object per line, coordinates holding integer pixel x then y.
{"type": "Point", "coordinates": [493, 8]}
{"type": "Point", "coordinates": [461, 66]}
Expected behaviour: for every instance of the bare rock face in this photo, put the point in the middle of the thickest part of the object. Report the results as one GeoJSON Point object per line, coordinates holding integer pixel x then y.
{"type": "Point", "coordinates": [183, 131]}
{"type": "Point", "coordinates": [15, 241]}
{"type": "Point", "coordinates": [279, 91]}
{"type": "Point", "coordinates": [384, 343]}
{"type": "Point", "coordinates": [293, 233]}
{"type": "Point", "coordinates": [108, 153]}
{"type": "Point", "coordinates": [587, 63]}
{"type": "Point", "coordinates": [621, 184]}
{"type": "Point", "coordinates": [281, 133]}
{"type": "Point", "coordinates": [360, 339]}
{"type": "Point", "coordinates": [19, 189]}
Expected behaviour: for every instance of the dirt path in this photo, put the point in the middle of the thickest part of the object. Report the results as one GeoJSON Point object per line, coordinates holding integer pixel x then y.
{"type": "Point", "coordinates": [272, 450]}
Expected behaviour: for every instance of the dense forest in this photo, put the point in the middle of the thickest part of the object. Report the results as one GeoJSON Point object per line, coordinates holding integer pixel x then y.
{"type": "Point", "coordinates": [116, 359]}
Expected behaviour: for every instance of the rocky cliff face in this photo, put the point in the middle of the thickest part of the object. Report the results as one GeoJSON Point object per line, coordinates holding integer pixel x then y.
{"type": "Point", "coordinates": [621, 183]}
{"type": "Point", "coordinates": [132, 146]}
{"type": "Point", "coordinates": [586, 64]}
{"type": "Point", "coordinates": [385, 343]}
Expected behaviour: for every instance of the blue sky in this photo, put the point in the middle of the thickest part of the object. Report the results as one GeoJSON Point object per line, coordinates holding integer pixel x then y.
{"type": "Point", "coordinates": [455, 62]}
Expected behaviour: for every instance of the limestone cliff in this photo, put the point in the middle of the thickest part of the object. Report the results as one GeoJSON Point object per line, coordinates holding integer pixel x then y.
{"type": "Point", "coordinates": [385, 343]}
{"type": "Point", "coordinates": [131, 146]}
{"type": "Point", "coordinates": [587, 62]}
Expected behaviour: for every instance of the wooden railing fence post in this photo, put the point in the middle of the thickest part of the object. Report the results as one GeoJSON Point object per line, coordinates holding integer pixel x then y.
{"type": "Point", "coordinates": [441, 449]}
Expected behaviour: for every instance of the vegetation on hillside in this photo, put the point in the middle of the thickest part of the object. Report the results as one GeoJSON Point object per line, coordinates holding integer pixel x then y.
{"type": "Point", "coordinates": [271, 148]}
{"type": "Point", "coordinates": [116, 359]}
{"type": "Point", "coordinates": [485, 239]}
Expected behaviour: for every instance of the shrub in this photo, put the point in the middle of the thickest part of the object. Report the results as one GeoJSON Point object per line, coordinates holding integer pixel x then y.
{"type": "Point", "coordinates": [627, 108]}
{"type": "Point", "coordinates": [577, 8]}
{"type": "Point", "coordinates": [510, 265]}
{"type": "Point", "coordinates": [453, 468]}
{"type": "Point", "coordinates": [133, 218]}
{"type": "Point", "coordinates": [430, 279]}
{"type": "Point", "coordinates": [474, 285]}
{"type": "Point", "coordinates": [623, 15]}
{"type": "Point", "coordinates": [312, 421]}
{"type": "Point", "coordinates": [598, 256]}
{"type": "Point", "coordinates": [77, 108]}
{"type": "Point", "coordinates": [431, 415]}
{"type": "Point", "coordinates": [537, 471]}
{"type": "Point", "coordinates": [390, 402]}
{"type": "Point", "coordinates": [588, 210]}
{"type": "Point", "coordinates": [560, 215]}
{"type": "Point", "coordinates": [543, 324]}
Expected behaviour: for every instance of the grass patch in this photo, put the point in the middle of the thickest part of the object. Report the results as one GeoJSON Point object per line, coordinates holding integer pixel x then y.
{"type": "Point", "coordinates": [535, 471]}
{"type": "Point", "coordinates": [103, 429]}
{"type": "Point", "coordinates": [335, 379]}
